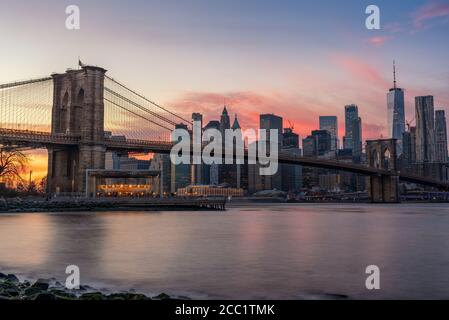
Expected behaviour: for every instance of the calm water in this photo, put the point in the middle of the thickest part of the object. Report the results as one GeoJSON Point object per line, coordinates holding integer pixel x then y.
{"type": "Point", "coordinates": [286, 251]}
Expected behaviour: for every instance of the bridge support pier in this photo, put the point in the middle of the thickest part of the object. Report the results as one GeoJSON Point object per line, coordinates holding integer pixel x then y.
{"type": "Point", "coordinates": [384, 189]}
{"type": "Point", "coordinates": [381, 154]}
{"type": "Point", "coordinates": [62, 170]}
{"type": "Point", "coordinates": [78, 111]}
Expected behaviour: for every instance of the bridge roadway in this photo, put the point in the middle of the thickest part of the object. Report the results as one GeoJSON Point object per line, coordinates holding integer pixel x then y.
{"type": "Point", "coordinates": [37, 139]}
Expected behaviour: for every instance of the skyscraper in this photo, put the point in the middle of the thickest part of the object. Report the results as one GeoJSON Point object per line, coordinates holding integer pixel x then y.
{"type": "Point", "coordinates": [309, 146]}
{"type": "Point", "coordinates": [357, 140]}
{"type": "Point", "coordinates": [211, 172]}
{"type": "Point", "coordinates": [330, 123]}
{"type": "Point", "coordinates": [441, 137]}
{"type": "Point", "coordinates": [425, 129]}
{"type": "Point", "coordinates": [351, 114]}
{"type": "Point", "coordinates": [237, 169]}
{"type": "Point", "coordinates": [396, 113]}
{"type": "Point", "coordinates": [197, 169]}
{"type": "Point", "coordinates": [291, 174]}
{"type": "Point", "coordinates": [270, 122]}
{"type": "Point", "coordinates": [323, 141]}
{"type": "Point", "coordinates": [180, 175]}
{"type": "Point", "coordinates": [225, 122]}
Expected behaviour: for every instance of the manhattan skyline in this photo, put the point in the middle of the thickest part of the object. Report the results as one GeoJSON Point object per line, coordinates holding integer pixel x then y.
{"type": "Point", "coordinates": [255, 57]}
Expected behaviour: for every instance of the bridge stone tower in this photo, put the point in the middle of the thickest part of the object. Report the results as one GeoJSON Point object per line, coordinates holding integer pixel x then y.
{"type": "Point", "coordinates": [78, 111]}
{"type": "Point", "coordinates": [381, 154]}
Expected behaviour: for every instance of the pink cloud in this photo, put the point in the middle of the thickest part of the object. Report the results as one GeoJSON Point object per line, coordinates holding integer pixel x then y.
{"type": "Point", "coordinates": [302, 113]}
{"type": "Point", "coordinates": [248, 106]}
{"type": "Point", "coordinates": [310, 94]}
{"type": "Point", "coordinates": [361, 70]}
{"type": "Point", "coordinates": [378, 40]}
{"type": "Point", "coordinates": [429, 12]}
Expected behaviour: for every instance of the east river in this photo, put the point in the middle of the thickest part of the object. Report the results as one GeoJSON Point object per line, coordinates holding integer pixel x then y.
{"type": "Point", "coordinates": [285, 251]}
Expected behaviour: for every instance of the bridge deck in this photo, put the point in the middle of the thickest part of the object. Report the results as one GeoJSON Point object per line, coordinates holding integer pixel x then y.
{"type": "Point", "coordinates": [46, 139]}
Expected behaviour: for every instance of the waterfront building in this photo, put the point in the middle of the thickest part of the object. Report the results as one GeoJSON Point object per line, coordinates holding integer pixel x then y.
{"type": "Point", "coordinates": [162, 163]}
{"type": "Point", "coordinates": [291, 174]}
{"type": "Point", "coordinates": [425, 129]}
{"type": "Point", "coordinates": [210, 191]}
{"type": "Point", "coordinates": [197, 169]}
{"type": "Point", "coordinates": [351, 114]}
{"type": "Point", "coordinates": [331, 182]}
{"type": "Point", "coordinates": [272, 122]}
{"type": "Point", "coordinates": [179, 175]}
{"type": "Point", "coordinates": [396, 112]}
{"type": "Point", "coordinates": [406, 157]}
{"type": "Point", "coordinates": [323, 141]}
{"type": "Point", "coordinates": [357, 144]}
{"type": "Point", "coordinates": [211, 172]}
{"type": "Point", "coordinates": [309, 146]}
{"type": "Point", "coordinates": [441, 137]}
{"type": "Point", "coordinates": [225, 122]}
{"type": "Point", "coordinates": [125, 190]}
{"type": "Point", "coordinates": [330, 123]}
{"type": "Point", "coordinates": [225, 170]}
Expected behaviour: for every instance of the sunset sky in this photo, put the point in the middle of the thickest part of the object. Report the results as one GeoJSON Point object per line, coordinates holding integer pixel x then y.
{"type": "Point", "coordinates": [298, 59]}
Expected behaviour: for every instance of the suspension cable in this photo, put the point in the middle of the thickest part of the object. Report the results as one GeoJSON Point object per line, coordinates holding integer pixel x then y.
{"type": "Point", "coordinates": [144, 98]}
{"type": "Point", "coordinates": [21, 83]}
{"type": "Point", "coordinates": [140, 107]}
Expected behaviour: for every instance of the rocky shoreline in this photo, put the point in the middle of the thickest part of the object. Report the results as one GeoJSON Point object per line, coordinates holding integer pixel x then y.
{"type": "Point", "coordinates": [18, 205]}
{"type": "Point", "coordinates": [11, 288]}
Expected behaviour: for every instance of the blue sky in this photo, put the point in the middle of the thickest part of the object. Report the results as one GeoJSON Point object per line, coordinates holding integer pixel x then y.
{"type": "Point", "coordinates": [301, 58]}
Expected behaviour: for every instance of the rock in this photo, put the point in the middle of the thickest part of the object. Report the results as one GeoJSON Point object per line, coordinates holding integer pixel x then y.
{"type": "Point", "coordinates": [6, 284]}
{"type": "Point", "coordinates": [12, 278]}
{"type": "Point", "coordinates": [116, 296]}
{"type": "Point", "coordinates": [136, 296]}
{"type": "Point", "coordinates": [93, 296]}
{"type": "Point", "coordinates": [2, 275]}
{"type": "Point", "coordinates": [41, 284]}
{"type": "Point", "coordinates": [127, 296]}
{"type": "Point", "coordinates": [32, 291]}
{"type": "Point", "coordinates": [24, 285]}
{"type": "Point", "coordinates": [162, 296]}
{"type": "Point", "coordinates": [85, 288]}
{"type": "Point", "coordinates": [336, 296]}
{"type": "Point", "coordinates": [12, 292]}
{"type": "Point", "coordinates": [44, 296]}
{"type": "Point", "coordinates": [63, 295]}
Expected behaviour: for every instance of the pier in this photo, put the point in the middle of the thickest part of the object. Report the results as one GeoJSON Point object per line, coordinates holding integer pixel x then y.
{"type": "Point", "coordinates": [112, 204]}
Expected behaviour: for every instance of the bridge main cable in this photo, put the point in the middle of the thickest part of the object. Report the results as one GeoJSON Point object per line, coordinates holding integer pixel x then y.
{"type": "Point", "coordinates": [147, 100]}
{"type": "Point", "coordinates": [22, 83]}
{"type": "Point", "coordinates": [136, 114]}
{"type": "Point", "coordinates": [117, 95]}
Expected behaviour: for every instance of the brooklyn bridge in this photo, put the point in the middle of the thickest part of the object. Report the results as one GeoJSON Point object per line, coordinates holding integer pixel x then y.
{"type": "Point", "coordinates": [80, 115]}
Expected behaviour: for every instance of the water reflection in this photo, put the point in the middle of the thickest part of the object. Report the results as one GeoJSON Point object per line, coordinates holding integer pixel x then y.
{"type": "Point", "coordinates": [287, 251]}
{"type": "Point", "coordinates": [25, 240]}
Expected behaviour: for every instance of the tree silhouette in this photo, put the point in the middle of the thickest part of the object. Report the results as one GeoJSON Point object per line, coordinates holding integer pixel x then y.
{"type": "Point", "coordinates": [12, 164]}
